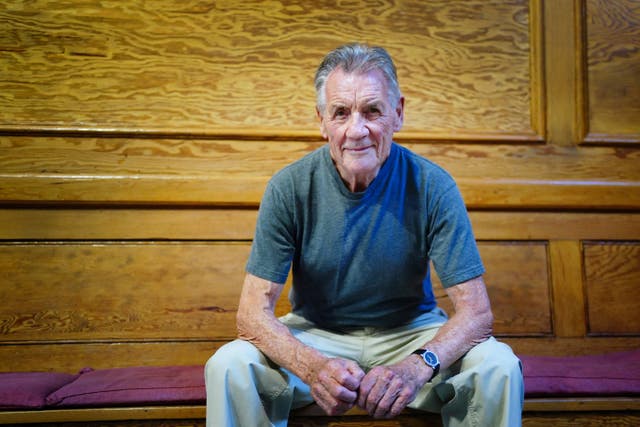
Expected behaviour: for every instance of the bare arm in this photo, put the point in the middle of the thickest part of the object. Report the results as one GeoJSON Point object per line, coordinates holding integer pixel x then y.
{"type": "Point", "coordinates": [386, 390]}
{"type": "Point", "coordinates": [471, 324]}
{"type": "Point", "coordinates": [334, 382]}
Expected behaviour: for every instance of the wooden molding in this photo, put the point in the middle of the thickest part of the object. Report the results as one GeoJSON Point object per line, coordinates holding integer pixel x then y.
{"type": "Point", "coordinates": [568, 299]}
{"type": "Point", "coordinates": [607, 110]}
{"type": "Point", "coordinates": [538, 79]}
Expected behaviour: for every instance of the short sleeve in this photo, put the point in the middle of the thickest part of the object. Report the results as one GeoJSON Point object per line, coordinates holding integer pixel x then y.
{"type": "Point", "coordinates": [274, 241]}
{"type": "Point", "coordinates": [452, 245]}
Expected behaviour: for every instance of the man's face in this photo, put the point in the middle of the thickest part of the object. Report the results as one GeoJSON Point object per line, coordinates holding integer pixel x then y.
{"type": "Point", "coordinates": [359, 121]}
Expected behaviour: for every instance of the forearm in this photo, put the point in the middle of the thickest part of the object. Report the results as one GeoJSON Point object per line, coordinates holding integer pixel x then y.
{"type": "Point", "coordinates": [257, 323]}
{"type": "Point", "coordinates": [459, 335]}
{"type": "Point", "coordinates": [471, 324]}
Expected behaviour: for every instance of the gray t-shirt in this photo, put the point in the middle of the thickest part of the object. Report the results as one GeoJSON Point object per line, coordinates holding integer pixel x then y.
{"type": "Point", "coordinates": [362, 259]}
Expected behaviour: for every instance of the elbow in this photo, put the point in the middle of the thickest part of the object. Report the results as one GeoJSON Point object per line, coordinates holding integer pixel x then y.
{"type": "Point", "coordinates": [488, 323]}
{"type": "Point", "coordinates": [251, 324]}
{"type": "Point", "coordinates": [243, 325]}
{"type": "Point", "coordinates": [481, 325]}
{"type": "Point", "coordinates": [485, 324]}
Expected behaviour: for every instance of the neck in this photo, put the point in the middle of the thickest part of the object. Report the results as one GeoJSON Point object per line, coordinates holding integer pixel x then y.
{"type": "Point", "coordinates": [357, 183]}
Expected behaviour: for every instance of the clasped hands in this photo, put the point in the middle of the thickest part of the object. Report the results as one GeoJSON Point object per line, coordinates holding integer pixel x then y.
{"type": "Point", "coordinates": [383, 392]}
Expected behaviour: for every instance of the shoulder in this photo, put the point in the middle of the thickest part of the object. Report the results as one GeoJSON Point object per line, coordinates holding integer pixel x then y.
{"type": "Point", "coordinates": [422, 168]}
{"type": "Point", "coordinates": [300, 169]}
{"type": "Point", "coordinates": [294, 182]}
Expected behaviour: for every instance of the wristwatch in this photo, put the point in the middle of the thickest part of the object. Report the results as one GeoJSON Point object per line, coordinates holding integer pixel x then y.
{"type": "Point", "coordinates": [431, 359]}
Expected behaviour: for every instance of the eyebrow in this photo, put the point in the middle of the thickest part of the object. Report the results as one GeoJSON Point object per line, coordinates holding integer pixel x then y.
{"type": "Point", "coordinates": [366, 104]}
{"type": "Point", "coordinates": [375, 103]}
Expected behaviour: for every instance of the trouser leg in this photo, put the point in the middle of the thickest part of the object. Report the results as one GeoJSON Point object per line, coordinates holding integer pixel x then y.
{"type": "Point", "coordinates": [484, 388]}
{"type": "Point", "coordinates": [244, 389]}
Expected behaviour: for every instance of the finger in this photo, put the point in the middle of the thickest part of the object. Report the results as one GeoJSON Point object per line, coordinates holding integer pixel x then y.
{"type": "Point", "coordinates": [334, 386]}
{"type": "Point", "coordinates": [351, 382]}
{"type": "Point", "coordinates": [383, 394]}
{"type": "Point", "coordinates": [348, 374]}
{"type": "Point", "coordinates": [403, 399]}
{"type": "Point", "coordinates": [356, 372]}
{"type": "Point", "coordinates": [366, 385]}
{"type": "Point", "coordinates": [328, 402]}
{"type": "Point", "coordinates": [376, 404]}
{"type": "Point", "coordinates": [342, 393]}
{"type": "Point", "coordinates": [383, 406]}
{"type": "Point", "coordinates": [405, 394]}
{"type": "Point", "coordinates": [376, 393]}
{"type": "Point", "coordinates": [323, 398]}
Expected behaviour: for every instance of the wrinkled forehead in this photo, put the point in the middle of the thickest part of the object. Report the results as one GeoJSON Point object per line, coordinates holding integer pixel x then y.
{"type": "Point", "coordinates": [356, 87]}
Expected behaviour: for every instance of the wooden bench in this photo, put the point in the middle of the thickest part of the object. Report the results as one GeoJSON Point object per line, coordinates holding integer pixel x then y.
{"type": "Point", "coordinates": [135, 145]}
{"type": "Point", "coordinates": [81, 296]}
{"type": "Point", "coordinates": [537, 412]}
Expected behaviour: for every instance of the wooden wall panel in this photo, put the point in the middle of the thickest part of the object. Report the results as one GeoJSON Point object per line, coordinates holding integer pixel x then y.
{"type": "Point", "coordinates": [122, 170]}
{"type": "Point", "coordinates": [568, 300]}
{"type": "Point", "coordinates": [612, 281]}
{"type": "Point", "coordinates": [182, 103]}
{"type": "Point", "coordinates": [613, 67]}
{"type": "Point", "coordinates": [518, 287]}
{"type": "Point", "coordinates": [220, 224]}
{"type": "Point", "coordinates": [71, 357]}
{"type": "Point", "coordinates": [136, 140]}
{"type": "Point", "coordinates": [125, 224]}
{"type": "Point", "coordinates": [120, 291]}
{"type": "Point", "coordinates": [563, 78]}
{"type": "Point", "coordinates": [243, 67]}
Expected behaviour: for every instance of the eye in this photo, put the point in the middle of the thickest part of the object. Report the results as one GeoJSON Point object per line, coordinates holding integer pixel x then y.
{"type": "Point", "coordinates": [373, 111]}
{"type": "Point", "coordinates": [340, 113]}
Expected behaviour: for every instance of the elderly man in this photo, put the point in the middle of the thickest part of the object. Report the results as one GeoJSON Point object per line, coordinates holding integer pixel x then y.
{"type": "Point", "coordinates": [357, 221]}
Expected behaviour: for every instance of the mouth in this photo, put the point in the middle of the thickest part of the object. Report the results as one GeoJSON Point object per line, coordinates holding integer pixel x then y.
{"type": "Point", "coordinates": [358, 149]}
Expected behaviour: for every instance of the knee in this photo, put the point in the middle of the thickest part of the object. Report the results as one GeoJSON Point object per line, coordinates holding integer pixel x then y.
{"type": "Point", "coordinates": [502, 370]}
{"type": "Point", "coordinates": [230, 358]}
{"type": "Point", "coordinates": [495, 358]}
{"type": "Point", "coordinates": [507, 367]}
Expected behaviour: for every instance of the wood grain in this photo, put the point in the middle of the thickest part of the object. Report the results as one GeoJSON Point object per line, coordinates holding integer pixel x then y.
{"type": "Point", "coordinates": [518, 287]}
{"type": "Point", "coordinates": [234, 172]}
{"type": "Point", "coordinates": [585, 419]}
{"type": "Point", "coordinates": [612, 279]}
{"type": "Point", "coordinates": [186, 66]}
{"type": "Point", "coordinates": [364, 420]}
{"type": "Point", "coordinates": [563, 85]}
{"type": "Point", "coordinates": [537, 412]}
{"type": "Point", "coordinates": [568, 300]}
{"type": "Point", "coordinates": [533, 225]}
{"type": "Point", "coordinates": [128, 224]}
{"type": "Point", "coordinates": [71, 357]}
{"type": "Point", "coordinates": [136, 140]}
{"type": "Point", "coordinates": [123, 291]}
{"type": "Point", "coordinates": [120, 291]}
{"type": "Point", "coordinates": [215, 224]}
{"type": "Point", "coordinates": [578, 346]}
{"type": "Point", "coordinates": [613, 58]}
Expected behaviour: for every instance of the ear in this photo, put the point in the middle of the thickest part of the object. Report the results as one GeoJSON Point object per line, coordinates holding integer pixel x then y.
{"type": "Point", "coordinates": [399, 115]}
{"type": "Point", "coordinates": [321, 120]}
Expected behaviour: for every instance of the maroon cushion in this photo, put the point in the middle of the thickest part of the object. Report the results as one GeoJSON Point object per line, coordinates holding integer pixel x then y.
{"type": "Point", "coordinates": [29, 389]}
{"type": "Point", "coordinates": [139, 385]}
{"type": "Point", "coordinates": [601, 374]}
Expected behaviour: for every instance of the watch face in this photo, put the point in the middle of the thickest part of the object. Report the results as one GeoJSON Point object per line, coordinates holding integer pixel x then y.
{"type": "Point", "coordinates": [430, 358]}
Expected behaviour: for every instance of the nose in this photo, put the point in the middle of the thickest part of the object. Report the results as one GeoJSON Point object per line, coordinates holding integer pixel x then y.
{"type": "Point", "coordinates": [357, 127]}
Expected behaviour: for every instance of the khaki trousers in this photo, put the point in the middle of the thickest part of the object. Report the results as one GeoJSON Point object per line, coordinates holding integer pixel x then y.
{"type": "Point", "coordinates": [484, 388]}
